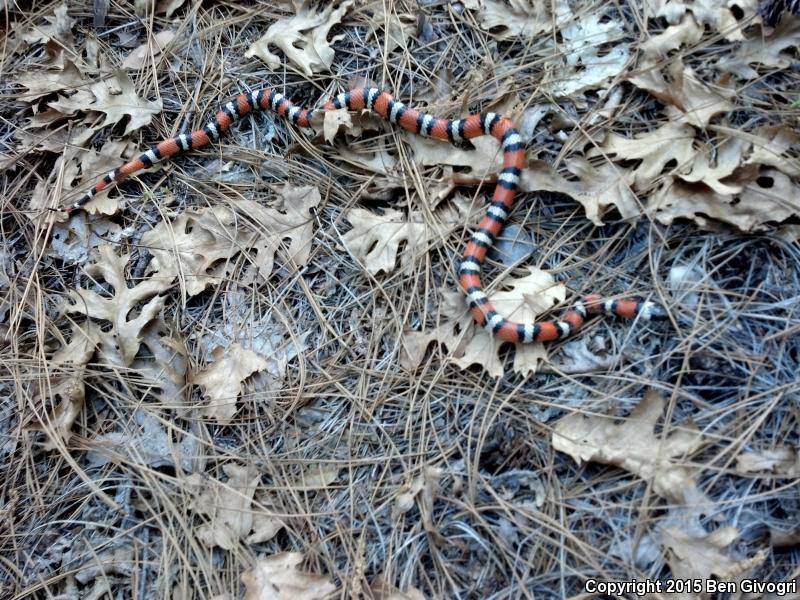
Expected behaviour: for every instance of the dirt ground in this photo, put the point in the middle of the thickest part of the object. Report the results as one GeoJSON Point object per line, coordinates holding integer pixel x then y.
{"type": "Point", "coordinates": [249, 371]}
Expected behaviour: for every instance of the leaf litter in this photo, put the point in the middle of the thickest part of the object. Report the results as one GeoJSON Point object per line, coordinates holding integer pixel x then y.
{"type": "Point", "coordinates": [287, 349]}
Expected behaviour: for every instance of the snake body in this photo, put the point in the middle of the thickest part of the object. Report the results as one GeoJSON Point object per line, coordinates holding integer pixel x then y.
{"type": "Point", "coordinates": [420, 123]}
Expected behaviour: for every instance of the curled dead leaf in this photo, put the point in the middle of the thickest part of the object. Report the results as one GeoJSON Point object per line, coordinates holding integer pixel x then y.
{"type": "Point", "coordinates": [391, 29]}
{"type": "Point", "coordinates": [422, 490]}
{"type": "Point", "coordinates": [127, 309]}
{"type": "Point", "coordinates": [381, 590]}
{"type": "Point", "coordinates": [227, 505]}
{"type": "Point", "coordinates": [776, 146]}
{"type": "Point", "coordinates": [277, 577]}
{"type": "Point", "coordinates": [199, 246]}
{"type": "Point", "coordinates": [44, 82]}
{"type": "Point", "coordinates": [333, 120]}
{"type": "Point", "coordinates": [592, 51]}
{"type": "Point", "coordinates": [701, 558]}
{"type": "Point", "coordinates": [597, 189]}
{"type": "Point", "coordinates": [152, 48]}
{"type": "Point", "coordinates": [375, 239]}
{"type": "Point", "coordinates": [520, 18]}
{"type": "Point", "coordinates": [728, 20]}
{"type": "Point", "coordinates": [316, 476]}
{"type": "Point", "coordinates": [770, 197]}
{"type": "Point", "coordinates": [770, 52]}
{"type": "Point", "coordinates": [302, 37]}
{"type": "Point", "coordinates": [68, 393]}
{"type": "Point", "coordinates": [633, 445]}
{"type": "Point", "coordinates": [222, 381]}
{"type": "Point", "coordinates": [672, 142]}
{"type": "Point", "coordinates": [688, 97]}
{"type": "Point", "coordinates": [266, 522]}
{"type": "Point", "coordinates": [144, 439]}
{"type": "Point", "coordinates": [117, 98]}
{"type": "Point", "coordinates": [58, 28]}
{"type": "Point", "coordinates": [685, 33]}
{"type": "Point", "coordinates": [79, 167]}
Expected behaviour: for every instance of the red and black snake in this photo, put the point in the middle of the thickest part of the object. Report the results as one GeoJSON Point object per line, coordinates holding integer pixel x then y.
{"type": "Point", "coordinates": [420, 123]}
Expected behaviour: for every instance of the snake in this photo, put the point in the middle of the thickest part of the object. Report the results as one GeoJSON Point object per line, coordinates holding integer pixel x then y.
{"type": "Point", "coordinates": [454, 131]}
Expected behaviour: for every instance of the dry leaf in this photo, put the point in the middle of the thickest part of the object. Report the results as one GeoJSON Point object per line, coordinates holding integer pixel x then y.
{"type": "Point", "coordinates": [66, 388]}
{"type": "Point", "coordinates": [278, 577]}
{"type": "Point", "coordinates": [77, 168]}
{"type": "Point", "coordinates": [485, 161]}
{"type": "Point", "coordinates": [87, 565]}
{"type": "Point", "coordinates": [593, 50]}
{"type": "Point", "coordinates": [596, 188]}
{"type": "Point", "coordinates": [74, 240]}
{"type": "Point", "coordinates": [128, 309]}
{"type": "Point", "coordinates": [80, 348]}
{"type": "Point", "coordinates": [655, 148]}
{"type": "Point", "coordinates": [517, 18]}
{"type": "Point", "coordinates": [316, 476]}
{"type": "Point", "coordinates": [583, 354]}
{"type": "Point", "coordinates": [333, 120]}
{"type": "Point", "coordinates": [45, 82]}
{"type": "Point", "coordinates": [68, 393]}
{"type": "Point", "coordinates": [289, 219]}
{"type": "Point", "coordinates": [782, 538]}
{"type": "Point", "coordinates": [423, 490]}
{"type": "Point", "coordinates": [467, 344]}
{"type": "Point", "coordinates": [716, 165]}
{"type": "Point", "coordinates": [771, 198]}
{"type": "Point", "coordinates": [776, 146]}
{"type": "Point", "coordinates": [387, 173]}
{"type": "Point", "coordinates": [771, 52]}
{"type": "Point", "coordinates": [264, 334]}
{"type": "Point", "coordinates": [375, 239]}
{"type": "Point", "coordinates": [414, 344]}
{"type": "Point", "coordinates": [64, 140]}
{"type": "Point", "coordinates": [141, 56]}
{"type": "Point", "coordinates": [166, 365]}
{"type": "Point", "coordinates": [482, 163]}
{"type": "Point", "coordinates": [199, 245]}
{"type": "Point", "coordinates": [633, 446]}
{"type": "Point", "coordinates": [226, 504]}
{"type": "Point", "coordinates": [222, 380]}
{"type": "Point", "coordinates": [59, 28]}
{"type": "Point", "coordinates": [48, 193]}
{"type": "Point", "coordinates": [266, 524]}
{"type": "Point", "coordinates": [701, 559]}
{"type": "Point", "coordinates": [168, 6]}
{"type": "Point", "coordinates": [782, 461]}
{"type": "Point", "coordinates": [303, 37]}
{"type": "Point", "coordinates": [391, 30]}
{"type": "Point", "coordinates": [688, 98]}
{"type": "Point", "coordinates": [718, 16]}
{"type": "Point", "coordinates": [145, 440]}
{"type": "Point", "coordinates": [117, 98]}
{"type": "Point", "coordinates": [685, 33]}
{"type": "Point", "coordinates": [453, 318]}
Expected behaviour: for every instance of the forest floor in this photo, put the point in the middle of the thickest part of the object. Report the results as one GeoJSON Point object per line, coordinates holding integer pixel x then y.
{"type": "Point", "coordinates": [249, 370]}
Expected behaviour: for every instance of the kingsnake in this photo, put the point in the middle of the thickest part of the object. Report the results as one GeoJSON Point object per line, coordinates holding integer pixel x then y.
{"type": "Point", "coordinates": [420, 123]}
